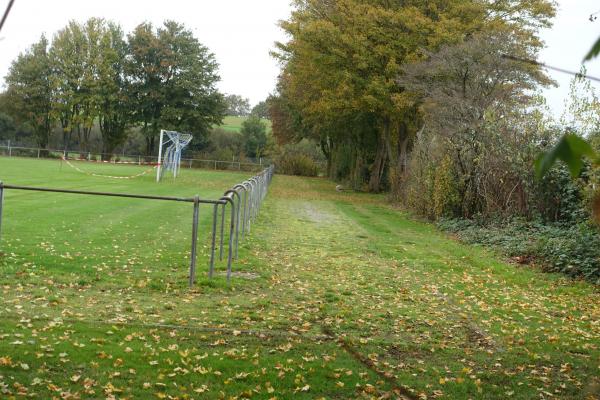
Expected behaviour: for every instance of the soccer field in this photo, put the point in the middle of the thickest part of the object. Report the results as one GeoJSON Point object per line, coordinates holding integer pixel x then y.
{"type": "Point", "coordinates": [118, 241]}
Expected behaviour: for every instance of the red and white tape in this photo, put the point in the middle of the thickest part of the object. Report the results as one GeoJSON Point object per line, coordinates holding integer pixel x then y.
{"type": "Point", "coordinates": [108, 176]}
{"type": "Point", "coordinates": [113, 162]}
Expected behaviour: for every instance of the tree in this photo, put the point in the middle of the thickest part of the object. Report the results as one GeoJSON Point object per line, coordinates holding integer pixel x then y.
{"type": "Point", "coordinates": [8, 126]}
{"type": "Point", "coordinates": [571, 148]}
{"type": "Point", "coordinates": [254, 132]}
{"type": "Point", "coordinates": [341, 65]}
{"type": "Point", "coordinates": [72, 70]}
{"type": "Point", "coordinates": [237, 106]}
{"type": "Point", "coordinates": [29, 91]}
{"type": "Point", "coordinates": [174, 81]}
{"type": "Point", "coordinates": [582, 108]}
{"type": "Point", "coordinates": [476, 139]}
{"type": "Point", "coordinates": [261, 110]}
{"type": "Point", "coordinates": [113, 91]}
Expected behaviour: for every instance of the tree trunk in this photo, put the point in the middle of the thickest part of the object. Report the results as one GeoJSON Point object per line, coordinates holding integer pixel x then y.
{"type": "Point", "coordinates": [381, 157]}
{"type": "Point", "coordinates": [150, 141]}
{"type": "Point", "coordinates": [327, 149]}
{"type": "Point", "coordinates": [404, 140]}
{"type": "Point", "coordinates": [107, 150]}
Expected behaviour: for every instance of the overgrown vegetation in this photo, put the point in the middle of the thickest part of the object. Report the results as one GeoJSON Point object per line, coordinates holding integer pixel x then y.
{"type": "Point", "coordinates": [427, 101]}
{"type": "Point", "coordinates": [572, 249]}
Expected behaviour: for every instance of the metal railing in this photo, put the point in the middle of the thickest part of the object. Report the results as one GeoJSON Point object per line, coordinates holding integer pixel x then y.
{"type": "Point", "coordinates": [36, 152]}
{"type": "Point", "coordinates": [245, 200]}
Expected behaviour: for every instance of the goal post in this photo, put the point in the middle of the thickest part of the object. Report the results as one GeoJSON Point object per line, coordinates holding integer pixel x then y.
{"type": "Point", "coordinates": [160, 147]}
{"type": "Point", "coordinates": [171, 146]}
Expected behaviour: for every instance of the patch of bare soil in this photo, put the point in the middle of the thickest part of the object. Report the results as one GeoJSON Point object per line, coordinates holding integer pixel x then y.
{"type": "Point", "coordinates": [316, 214]}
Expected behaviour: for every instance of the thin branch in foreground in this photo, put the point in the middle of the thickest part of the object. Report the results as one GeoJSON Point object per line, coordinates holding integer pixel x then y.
{"type": "Point", "coordinates": [541, 64]}
{"type": "Point", "coordinates": [8, 8]}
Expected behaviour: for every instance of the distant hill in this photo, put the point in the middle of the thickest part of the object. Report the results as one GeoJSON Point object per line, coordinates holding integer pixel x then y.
{"type": "Point", "coordinates": [234, 124]}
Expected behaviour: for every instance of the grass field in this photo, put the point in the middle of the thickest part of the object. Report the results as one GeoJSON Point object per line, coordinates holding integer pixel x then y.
{"type": "Point", "coordinates": [234, 124]}
{"type": "Point", "coordinates": [341, 297]}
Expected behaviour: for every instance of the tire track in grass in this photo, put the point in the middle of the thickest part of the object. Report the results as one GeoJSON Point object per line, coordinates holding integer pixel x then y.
{"type": "Point", "coordinates": [327, 218]}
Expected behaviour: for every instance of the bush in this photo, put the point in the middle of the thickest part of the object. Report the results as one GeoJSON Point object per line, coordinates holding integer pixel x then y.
{"type": "Point", "coordinates": [574, 251]}
{"type": "Point", "coordinates": [297, 164]}
{"type": "Point", "coordinates": [571, 249]}
{"type": "Point", "coordinates": [302, 159]}
{"type": "Point", "coordinates": [559, 198]}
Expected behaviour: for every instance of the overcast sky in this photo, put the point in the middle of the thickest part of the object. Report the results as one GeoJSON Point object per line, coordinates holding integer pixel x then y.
{"type": "Point", "coordinates": [241, 34]}
{"type": "Point", "coordinates": [567, 43]}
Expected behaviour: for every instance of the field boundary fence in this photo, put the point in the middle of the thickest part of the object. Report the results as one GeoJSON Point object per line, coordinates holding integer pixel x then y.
{"type": "Point", "coordinates": [128, 159]}
{"type": "Point", "coordinates": [243, 200]}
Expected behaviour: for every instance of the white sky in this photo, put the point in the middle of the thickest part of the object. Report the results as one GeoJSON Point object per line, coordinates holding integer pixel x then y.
{"type": "Point", "coordinates": [567, 43]}
{"type": "Point", "coordinates": [242, 32]}
{"type": "Point", "coordinates": [239, 32]}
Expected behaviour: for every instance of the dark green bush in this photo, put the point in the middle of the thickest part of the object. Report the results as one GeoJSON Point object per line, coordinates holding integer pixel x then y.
{"type": "Point", "coordinates": [559, 198]}
{"type": "Point", "coordinates": [573, 249]}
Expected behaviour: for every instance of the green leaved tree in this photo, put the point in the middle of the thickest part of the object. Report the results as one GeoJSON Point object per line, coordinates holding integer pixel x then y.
{"type": "Point", "coordinates": [339, 81]}
{"type": "Point", "coordinates": [28, 97]}
{"type": "Point", "coordinates": [71, 57]}
{"type": "Point", "coordinates": [173, 82]}
{"type": "Point", "coordinates": [113, 91]}
{"type": "Point", "coordinates": [254, 132]}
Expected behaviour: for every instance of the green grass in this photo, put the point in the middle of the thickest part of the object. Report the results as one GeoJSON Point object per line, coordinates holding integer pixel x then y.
{"type": "Point", "coordinates": [349, 298]}
{"type": "Point", "coordinates": [234, 124]}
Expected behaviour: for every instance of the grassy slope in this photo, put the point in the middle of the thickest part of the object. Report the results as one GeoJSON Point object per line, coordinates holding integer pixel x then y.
{"type": "Point", "coordinates": [234, 124]}
{"type": "Point", "coordinates": [353, 299]}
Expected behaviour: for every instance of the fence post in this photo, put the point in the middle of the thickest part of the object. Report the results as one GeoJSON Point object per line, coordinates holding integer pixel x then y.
{"type": "Point", "coordinates": [222, 231]}
{"type": "Point", "coordinates": [194, 241]}
{"type": "Point", "coordinates": [1, 206]}
{"type": "Point", "coordinates": [234, 193]}
{"type": "Point", "coordinates": [38, 153]}
{"type": "Point", "coordinates": [231, 230]}
{"type": "Point", "coordinates": [215, 165]}
{"type": "Point", "coordinates": [9, 149]}
{"type": "Point", "coordinates": [211, 268]}
{"type": "Point", "coordinates": [190, 164]}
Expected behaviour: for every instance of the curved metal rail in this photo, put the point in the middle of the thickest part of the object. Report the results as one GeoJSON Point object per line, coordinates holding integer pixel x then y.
{"type": "Point", "coordinates": [245, 200]}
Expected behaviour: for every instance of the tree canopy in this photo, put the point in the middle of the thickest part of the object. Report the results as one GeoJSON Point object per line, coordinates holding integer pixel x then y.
{"type": "Point", "coordinates": [341, 67]}
{"type": "Point", "coordinates": [237, 105]}
{"type": "Point", "coordinates": [29, 96]}
{"type": "Point", "coordinates": [254, 132]}
{"type": "Point", "coordinates": [92, 74]}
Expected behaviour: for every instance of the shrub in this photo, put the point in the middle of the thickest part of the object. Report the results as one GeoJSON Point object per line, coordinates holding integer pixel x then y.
{"type": "Point", "coordinates": [297, 164]}
{"type": "Point", "coordinates": [445, 192]}
{"type": "Point", "coordinates": [302, 158]}
{"type": "Point", "coordinates": [574, 251]}
{"type": "Point", "coordinates": [571, 249]}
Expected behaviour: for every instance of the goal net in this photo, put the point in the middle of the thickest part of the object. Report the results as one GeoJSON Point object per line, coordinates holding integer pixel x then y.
{"type": "Point", "coordinates": [169, 152]}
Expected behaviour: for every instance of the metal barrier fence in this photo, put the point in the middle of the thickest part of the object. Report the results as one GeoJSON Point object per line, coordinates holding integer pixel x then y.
{"type": "Point", "coordinates": [35, 152]}
{"type": "Point", "coordinates": [244, 199]}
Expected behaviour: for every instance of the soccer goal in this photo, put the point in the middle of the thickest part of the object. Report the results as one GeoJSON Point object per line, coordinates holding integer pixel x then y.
{"type": "Point", "coordinates": [173, 144]}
